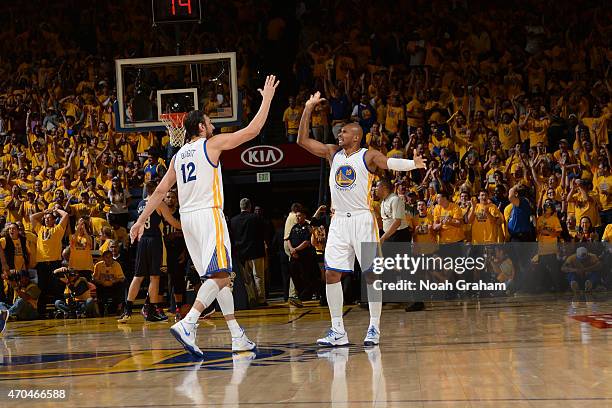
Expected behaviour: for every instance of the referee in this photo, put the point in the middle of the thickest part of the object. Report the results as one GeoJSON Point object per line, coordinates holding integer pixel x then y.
{"type": "Point", "coordinates": [395, 227]}
{"type": "Point", "coordinates": [393, 214]}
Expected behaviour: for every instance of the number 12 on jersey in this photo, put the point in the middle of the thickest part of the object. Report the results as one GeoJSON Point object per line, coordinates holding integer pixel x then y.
{"type": "Point", "coordinates": [188, 171]}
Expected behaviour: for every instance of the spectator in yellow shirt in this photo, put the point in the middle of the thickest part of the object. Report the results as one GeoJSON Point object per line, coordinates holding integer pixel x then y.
{"type": "Point", "coordinates": [548, 231]}
{"type": "Point", "coordinates": [49, 253]}
{"type": "Point", "coordinates": [582, 270]}
{"type": "Point", "coordinates": [448, 220]}
{"type": "Point", "coordinates": [108, 277]}
{"type": "Point", "coordinates": [394, 122]}
{"type": "Point", "coordinates": [422, 225]}
{"type": "Point", "coordinates": [376, 139]}
{"type": "Point", "coordinates": [291, 117]}
{"type": "Point", "coordinates": [486, 220]}
{"type": "Point", "coordinates": [81, 245]}
{"type": "Point", "coordinates": [17, 250]}
{"type": "Point", "coordinates": [602, 185]}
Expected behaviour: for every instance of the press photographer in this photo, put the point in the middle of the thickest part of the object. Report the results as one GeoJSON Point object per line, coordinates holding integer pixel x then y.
{"type": "Point", "coordinates": [25, 298]}
{"type": "Point", "coordinates": [78, 298]}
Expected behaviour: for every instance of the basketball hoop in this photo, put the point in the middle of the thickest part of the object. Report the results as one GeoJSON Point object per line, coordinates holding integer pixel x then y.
{"type": "Point", "coordinates": [176, 130]}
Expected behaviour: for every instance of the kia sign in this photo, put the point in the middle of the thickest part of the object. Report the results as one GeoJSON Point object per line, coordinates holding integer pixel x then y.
{"type": "Point", "coordinates": [283, 156]}
{"type": "Point", "coordinates": [262, 156]}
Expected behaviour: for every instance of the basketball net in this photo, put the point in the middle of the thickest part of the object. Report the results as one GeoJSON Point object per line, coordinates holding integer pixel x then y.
{"type": "Point", "coordinates": [176, 130]}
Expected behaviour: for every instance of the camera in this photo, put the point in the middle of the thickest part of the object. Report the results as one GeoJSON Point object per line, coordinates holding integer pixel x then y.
{"type": "Point", "coordinates": [15, 276]}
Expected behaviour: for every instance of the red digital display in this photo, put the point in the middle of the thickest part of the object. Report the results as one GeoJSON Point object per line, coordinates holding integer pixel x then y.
{"type": "Point", "coordinates": [181, 3]}
{"type": "Point", "coordinates": [175, 11]}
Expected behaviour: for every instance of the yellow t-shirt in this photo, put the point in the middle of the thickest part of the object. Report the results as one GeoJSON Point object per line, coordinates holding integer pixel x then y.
{"type": "Point", "coordinates": [395, 114]}
{"type": "Point", "coordinates": [420, 226]}
{"type": "Point", "coordinates": [49, 243]}
{"type": "Point", "coordinates": [603, 187]}
{"type": "Point", "coordinates": [607, 235]}
{"type": "Point", "coordinates": [396, 154]}
{"type": "Point", "coordinates": [449, 233]}
{"type": "Point", "coordinates": [415, 112]}
{"type": "Point", "coordinates": [485, 231]}
{"type": "Point", "coordinates": [20, 263]}
{"type": "Point", "coordinates": [292, 117]}
{"type": "Point", "coordinates": [508, 134]}
{"type": "Point", "coordinates": [586, 208]}
{"type": "Point", "coordinates": [548, 244]}
{"type": "Point", "coordinates": [538, 129]}
{"type": "Point", "coordinates": [107, 275]}
{"type": "Point", "coordinates": [80, 253]}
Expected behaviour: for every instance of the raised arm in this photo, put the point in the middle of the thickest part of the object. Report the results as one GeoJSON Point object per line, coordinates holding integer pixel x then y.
{"type": "Point", "coordinates": [376, 159]}
{"type": "Point", "coordinates": [315, 147]}
{"type": "Point", "coordinates": [219, 143]}
{"type": "Point", "coordinates": [154, 201]}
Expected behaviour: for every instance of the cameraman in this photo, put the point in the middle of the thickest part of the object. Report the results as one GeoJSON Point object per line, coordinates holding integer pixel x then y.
{"type": "Point", "coordinates": [77, 293]}
{"type": "Point", "coordinates": [108, 277]}
{"type": "Point", "coordinates": [25, 302]}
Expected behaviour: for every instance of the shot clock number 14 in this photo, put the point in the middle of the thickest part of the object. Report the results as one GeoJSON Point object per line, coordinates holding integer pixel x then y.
{"type": "Point", "coordinates": [176, 11]}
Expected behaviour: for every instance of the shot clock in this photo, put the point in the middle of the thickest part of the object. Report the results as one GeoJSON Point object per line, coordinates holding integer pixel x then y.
{"type": "Point", "coordinates": [176, 11]}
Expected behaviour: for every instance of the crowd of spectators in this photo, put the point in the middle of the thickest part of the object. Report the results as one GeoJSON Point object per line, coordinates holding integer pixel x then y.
{"type": "Point", "coordinates": [511, 98]}
{"type": "Point", "coordinates": [512, 102]}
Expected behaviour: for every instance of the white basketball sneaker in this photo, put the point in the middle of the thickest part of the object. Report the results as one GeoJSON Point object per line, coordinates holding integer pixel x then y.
{"type": "Point", "coordinates": [333, 338]}
{"type": "Point", "coordinates": [242, 342]}
{"type": "Point", "coordinates": [372, 337]}
{"type": "Point", "coordinates": [185, 333]}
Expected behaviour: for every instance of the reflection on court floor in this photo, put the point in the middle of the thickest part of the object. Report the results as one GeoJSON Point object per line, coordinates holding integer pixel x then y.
{"type": "Point", "coordinates": [513, 352]}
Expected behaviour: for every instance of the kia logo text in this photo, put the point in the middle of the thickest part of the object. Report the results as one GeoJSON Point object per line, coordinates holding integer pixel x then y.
{"type": "Point", "coordinates": [262, 156]}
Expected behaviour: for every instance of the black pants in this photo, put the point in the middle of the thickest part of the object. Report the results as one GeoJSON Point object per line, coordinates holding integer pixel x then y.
{"type": "Point", "coordinates": [549, 273]}
{"type": "Point", "coordinates": [301, 270]}
{"type": "Point", "coordinates": [403, 235]}
{"type": "Point", "coordinates": [50, 287]}
{"type": "Point", "coordinates": [176, 269]}
{"type": "Point", "coordinates": [106, 293]}
{"type": "Point", "coordinates": [284, 268]}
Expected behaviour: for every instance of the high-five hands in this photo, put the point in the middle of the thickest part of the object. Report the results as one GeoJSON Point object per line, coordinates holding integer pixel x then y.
{"type": "Point", "coordinates": [314, 100]}
{"type": "Point", "coordinates": [269, 87]}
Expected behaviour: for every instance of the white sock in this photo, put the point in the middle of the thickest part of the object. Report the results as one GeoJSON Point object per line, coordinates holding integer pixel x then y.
{"type": "Point", "coordinates": [335, 300]}
{"type": "Point", "coordinates": [226, 301]}
{"type": "Point", "coordinates": [375, 311]}
{"type": "Point", "coordinates": [375, 306]}
{"type": "Point", "coordinates": [234, 328]}
{"type": "Point", "coordinates": [206, 295]}
{"type": "Point", "coordinates": [193, 316]}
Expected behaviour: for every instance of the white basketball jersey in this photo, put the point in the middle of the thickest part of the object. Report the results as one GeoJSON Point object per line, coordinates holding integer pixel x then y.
{"type": "Point", "coordinates": [350, 182]}
{"type": "Point", "coordinates": [199, 182]}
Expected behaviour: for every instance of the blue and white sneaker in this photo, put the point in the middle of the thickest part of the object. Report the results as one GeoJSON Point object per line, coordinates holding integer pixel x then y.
{"type": "Point", "coordinates": [372, 337]}
{"type": "Point", "coordinates": [4, 315]}
{"type": "Point", "coordinates": [185, 333]}
{"type": "Point", "coordinates": [334, 338]}
{"type": "Point", "coordinates": [242, 343]}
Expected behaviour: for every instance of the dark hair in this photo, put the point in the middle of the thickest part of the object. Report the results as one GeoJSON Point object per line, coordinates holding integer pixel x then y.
{"type": "Point", "coordinates": [150, 187]}
{"type": "Point", "coordinates": [9, 249]}
{"type": "Point", "coordinates": [386, 183]}
{"type": "Point", "coordinates": [192, 123]}
{"type": "Point", "coordinates": [296, 207]}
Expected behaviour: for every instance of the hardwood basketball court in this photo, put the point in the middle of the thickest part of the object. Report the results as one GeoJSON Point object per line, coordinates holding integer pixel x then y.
{"type": "Point", "coordinates": [519, 352]}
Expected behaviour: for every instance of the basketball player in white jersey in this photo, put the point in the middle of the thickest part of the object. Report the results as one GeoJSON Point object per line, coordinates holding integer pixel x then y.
{"type": "Point", "coordinates": [350, 181]}
{"type": "Point", "coordinates": [197, 172]}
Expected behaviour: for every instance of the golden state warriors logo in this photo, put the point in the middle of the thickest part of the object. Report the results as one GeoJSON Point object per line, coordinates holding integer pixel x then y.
{"type": "Point", "coordinates": [345, 176]}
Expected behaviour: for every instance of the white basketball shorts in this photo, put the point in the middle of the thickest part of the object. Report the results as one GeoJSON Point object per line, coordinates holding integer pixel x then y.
{"type": "Point", "coordinates": [207, 240]}
{"type": "Point", "coordinates": [347, 231]}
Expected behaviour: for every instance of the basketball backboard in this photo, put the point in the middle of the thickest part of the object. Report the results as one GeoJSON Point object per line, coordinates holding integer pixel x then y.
{"type": "Point", "coordinates": [148, 87]}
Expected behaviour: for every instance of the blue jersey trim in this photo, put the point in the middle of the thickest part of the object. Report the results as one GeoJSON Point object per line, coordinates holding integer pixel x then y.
{"type": "Point", "coordinates": [327, 267]}
{"type": "Point", "coordinates": [364, 162]}
{"type": "Point", "coordinates": [206, 154]}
